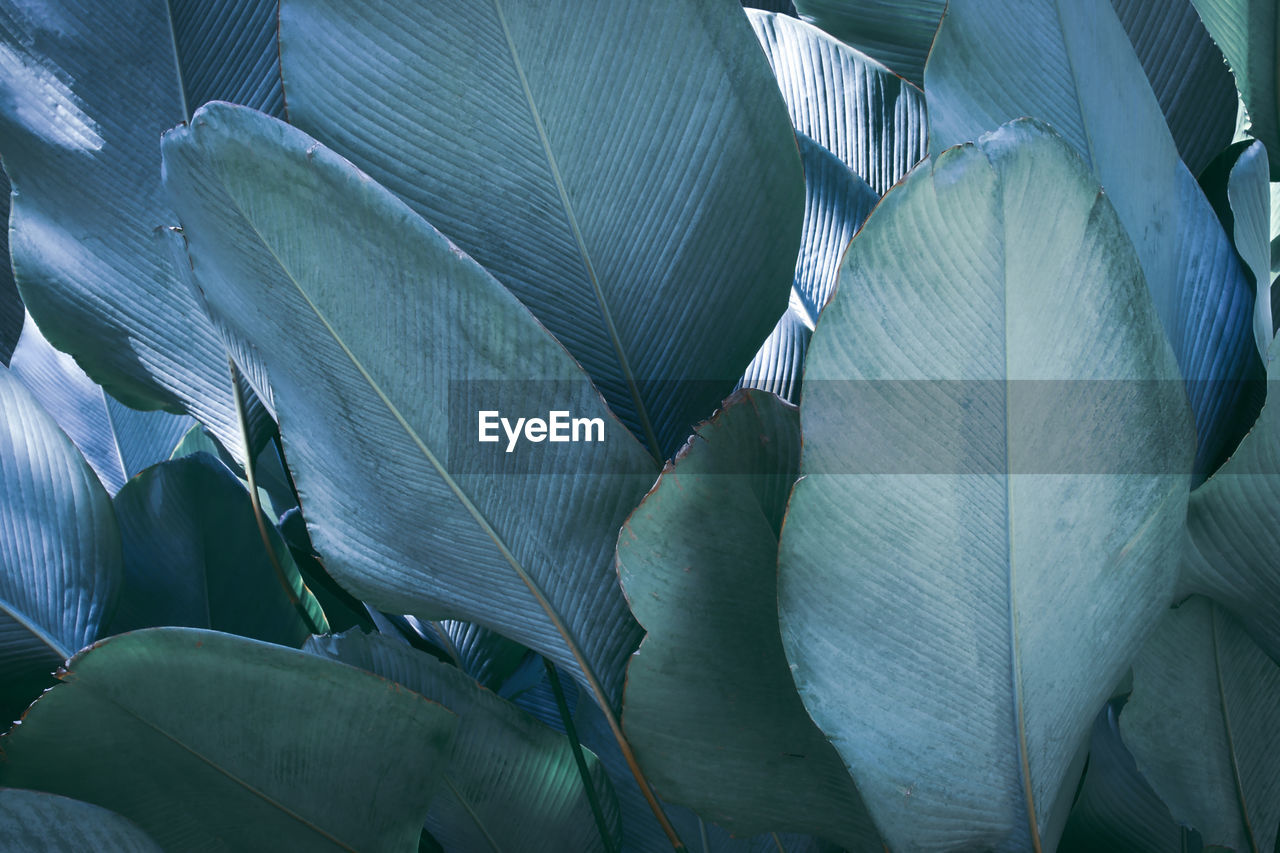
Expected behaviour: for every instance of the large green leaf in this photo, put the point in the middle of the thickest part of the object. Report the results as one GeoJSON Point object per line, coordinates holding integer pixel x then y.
{"type": "Point", "coordinates": [895, 32]}
{"type": "Point", "coordinates": [60, 552]}
{"type": "Point", "coordinates": [1204, 726]}
{"type": "Point", "coordinates": [848, 103]}
{"type": "Point", "coordinates": [629, 173]}
{"type": "Point", "coordinates": [88, 88]}
{"type": "Point", "coordinates": [1069, 63]}
{"type": "Point", "coordinates": [996, 449]}
{"type": "Point", "coordinates": [116, 441]}
{"type": "Point", "coordinates": [383, 341]}
{"type": "Point", "coordinates": [35, 820]}
{"type": "Point", "coordinates": [1248, 31]}
{"type": "Point", "coordinates": [194, 556]}
{"type": "Point", "coordinates": [710, 706]}
{"type": "Point", "coordinates": [510, 783]}
{"type": "Point", "coordinates": [213, 742]}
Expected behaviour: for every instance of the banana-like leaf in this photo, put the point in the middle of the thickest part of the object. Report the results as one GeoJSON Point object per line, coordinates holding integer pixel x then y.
{"type": "Point", "coordinates": [895, 32]}
{"type": "Point", "coordinates": [710, 707]}
{"type": "Point", "coordinates": [1233, 525]}
{"type": "Point", "coordinates": [87, 90]}
{"type": "Point", "coordinates": [194, 556]}
{"type": "Point", "coordinates": [214, 742]}
{"type": "Point", "coordinates": [486, 656]}
{"type": "Point", "coordinates": [383, 341]}
{"type": "Point", "coordinates": [510, 782]}
{"type": "Point", "coordinates": [116, 441]}
{"type": "Point", "coordinates": [1203, 724]}
{"type": "Point", "coordinates": [35, 820]}
{"type": "Point", "coordinates": [629, 173]}
{"type": "Point", "coordinates": [11, 308]}
{"type": "Point", "coordinates": [1249, 194]}
{"type": "Point", "coordinates": [1060, 61]}
{"type": "Point", "coordinates": [836, 203]}
{"type": "Point", "coordinates": [848, 103]}
{"type": "Point", "coordinates": [60, 554]}
{"type": "Point", "coordinates": [996, 448]}
{"type": "Point", "coordinates": [1248, 32]}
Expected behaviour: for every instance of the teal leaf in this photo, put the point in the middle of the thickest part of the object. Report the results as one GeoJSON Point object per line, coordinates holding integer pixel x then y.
{"type": "Point", "coordinates": [11, 308]}
{"type": "Point", "coordinates": [993, 488]}
{"type": "Point", "coordinates": [508, 777]}
{"type": "Point", "coordinates": [1062, 62]}
{"type": "Point", "coordinates": [710, 707]}
{"type": "Point", "coordinates": [34, 820]}
{"type": "Point", "coordinates": [116, 441]}
{"type": "Point", "coordinates": [1249, 194]}
{"type": "Point", "coordinates": [845, 101]}
{"type": "Point", "coordinates": [632, 178]}
{"type": "Point", "coordinates": [383, 341]}
{"type": "Point", "coordinates": [60, 556]}
{"type": "Point", "coordinates": [194, 557]}
{"type": "Point", "coordinates": [1203, 724]}
{"type": "Point", "coordinates": [209, 741]}
{"type": "Point", "coordinates": [894, 32]}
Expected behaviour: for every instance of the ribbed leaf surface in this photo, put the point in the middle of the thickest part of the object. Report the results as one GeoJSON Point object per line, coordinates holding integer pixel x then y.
{"type": "Point", "coordinates": [88, 89]}
{"type": "Point", "coordinates": [836, 203]}
{"type": "Point", "coordinates": [894, 32]}
{"type": "Point", "coordinates": [845, 101]}
{"type": "Point", "coordinates": [211, 742]}
{"type": "Point", "coordinates": [228, 51]}
{"type": "Point", "coordinates": [1249, 195]}
{"type": "Point", "coordinates": [509, 778]}
{"type": "Point", "coordinates": [710, 707]}
{"type": "Point", "coordinates": [116, 441]}
{"type": "Point", "coordinates": [59, 548]}
{"type": "Point", "coordinates": [1061, 62]}
{"type": "Point", "coordinates": [995, 457]}
{"type": "Point", "coordinates": [1204, 726]}
{"type": "Point", "coordinates": [11, 309]}
{"type": "Point", "coordinates": [629, 173]}
{"type": "Point", "coordinates": [34, 820]}
{"type": "Point", "coordinates": [383, 341]}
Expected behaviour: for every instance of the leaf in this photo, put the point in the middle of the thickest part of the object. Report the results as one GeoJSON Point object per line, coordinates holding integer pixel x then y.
{"type": "Point", "coordinates": [60, 555]}
{"type": "Point", "coordinates": [836, 203]}
{"type": "Point", "coordinates": [995, 457]}
{"type": "Point", "coordinates": [1248, 32]}
{"type": "Point", "coordinates": [710, 707]}
{"type": "Point", "coordinates": [383, 341]}
{"type": "Point", "coordinates": [510, 782]}
{"type": "Point", "coordinates": [848, 103]}
{"type": "Point", "coordinates": [1061, 62]}
{"type": "Point", "coordinates": [894, 32]}
{"type": "Point", "coordinates": [116, 441]}
{"type": "Point", "coordinates": [194, 556]}
{"type": "Point", "coordinates": [1249, 194]}
{"type": "Point", "coordinates": [34, 820]}
{"type": "Point", "coordinates": [488, 657]}
{"type": "Point", "coordinates": [11, 308]}
{"type": "Point", "coordinates": [1233, 528]}
{"type": "Point", "coordinates": [209, 741]}
{"type": "Point", "coordinates": [659, 191]}
{"type": "Point", "coordinates": [88, 89]}
{"type": "Point", "coordinates": [1204, 726]}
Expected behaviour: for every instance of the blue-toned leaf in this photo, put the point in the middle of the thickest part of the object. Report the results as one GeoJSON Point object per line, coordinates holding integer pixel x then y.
{"type": "Point", "coordinates": [895, 32]}
{"type": "Point", "coordinates": [1249, 194]}
{"type": "Point", "coordinates": [34, 820]}
{"type": "Point", "coordinates": [11, 308]}
{"type": "Point", "coordinates": [1062, 61]}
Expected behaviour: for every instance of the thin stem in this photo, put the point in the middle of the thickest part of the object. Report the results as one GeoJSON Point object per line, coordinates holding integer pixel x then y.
{"type": "Point", "coordinates": [572, 733]}
{"type": "Point", "coordinates": [702, 833]}
{"type": "Point", "coordinates": [778, 841]}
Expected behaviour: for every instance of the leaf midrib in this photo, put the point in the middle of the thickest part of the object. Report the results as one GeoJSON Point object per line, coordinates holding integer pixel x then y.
{"type": "Point", "coordinates": [34, 629]}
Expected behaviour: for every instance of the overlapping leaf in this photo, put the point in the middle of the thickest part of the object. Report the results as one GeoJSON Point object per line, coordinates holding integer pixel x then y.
{"type": "Point", "coordinates": [213, 742]}
{"type": "Point", "coordinates": [896, 33]}
{"type": "Point", "coordinates": [629, 174]}
{"type": "Point", "coordinates": [1062, 62]}
{"type": "Point", "coordinates": [11, 309]}
{"type": "Point", "coordinates": [35, 820]}
{"type": "Point", "coordinates": [59, 548]}
{"type": "Point", "coordinates": [1248, 192]}
{"type": "Point", "coordinates": [384, 341]}
{"type": "Point", "coordinates": [995, 455]}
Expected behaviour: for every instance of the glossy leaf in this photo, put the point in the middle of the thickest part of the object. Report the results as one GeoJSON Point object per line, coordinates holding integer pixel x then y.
{"type": "Point", "coordinates": [994, 465]}
{"type": "Point", "coordinates": [710, 707]}
{"type": "Point", "coordinates": [1204, 726]}
{"type": "Point", "coordinates": [898, 34]}
{"type": "Point", "coordinates": [194, 556]}
{"type": "Point", "coordinates": [116, 441]}
{"type": "Point", "coordinates": [659, 192]}
{"type": "Point", "coordinates": [836, 203]}
{"type": "Point", "coordinates": [848, 103]}
{"type": "Point", "coordinates": [1061, 62]}
{"type": "Point", "coordinates": [209, 741]}
{"type": "Point", "coordinates": [1248, 32]}
{"type": "Point", "coordinates": [89, 88]}
{"type": "Point", "coordinates": [34, 820]}
{"type": "Point", "coordinates": [60, 552]}
{"type": "Point", "coordinates": [11, 308]}
{"type": "Point", "coordinates": [383, 340]}
{"type": "Point", "coordinates": [1250, 197]}
{"type": "Point", "coordinates": [508, 778]}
